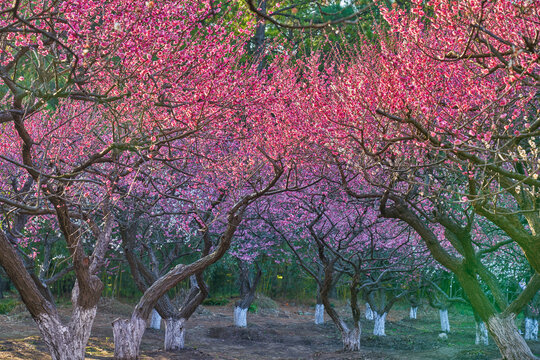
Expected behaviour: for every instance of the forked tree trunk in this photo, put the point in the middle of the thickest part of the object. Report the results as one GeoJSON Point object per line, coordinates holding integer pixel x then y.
{"type": "Point", "coordinates": [240, 316]}
{"type": "Point", "coordinates": [127, 336]}
{"type": "Point", "coordinates": [445, 324]}
{"type": "Point", "coordinates": [379, 326]}
{"type": "Point", "coordinates": [174, 334]}
{"type": "Point", "coordinates": [155, 320]}
{"type": "Point", "coordinates": [531, 329]}
{"type": "Point", "coordinates": [67, 342]}
{"type": "Point", "coordinates": [482, 337]}
{"type": "Point", "coordinates": [369, 313]}
{"type": "Point", "coordinates": [510, 343]}
{"type": "Point", "coordinates": [351, 338]}
{"type": "Point", "coordinates": [319, 314]}
{"type": "Point", "coordinates": [413, 312]}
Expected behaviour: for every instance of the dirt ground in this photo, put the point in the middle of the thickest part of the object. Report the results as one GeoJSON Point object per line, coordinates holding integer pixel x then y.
{"type": "Point", "coordinates": [287, 332]}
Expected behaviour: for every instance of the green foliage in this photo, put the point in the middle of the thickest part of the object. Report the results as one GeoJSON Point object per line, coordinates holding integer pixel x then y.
{"type": "Point", "coordinates": [217, 301]}
{"type": "Point", "coordinates": [6, 305]}
{"type": "Point", "coordinates": [253, 308]}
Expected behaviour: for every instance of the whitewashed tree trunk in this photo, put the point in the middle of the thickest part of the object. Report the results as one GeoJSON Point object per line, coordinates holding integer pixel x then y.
{"type": "Point", "coordinates": [174, 334]}
{"type": "Point", "coordinates": [412, 312]}
{"type": "Point", "coordinates": [240, 316]}
{"type": "Point", "coordinates": [67, 342]}
{"type": "Point", "coordinates": [535, 330]}
{"type": "Point", "coordinates": [482, 337]}
{"type": "Point", "coordinates": [445, 324]}
{"type": "Point", "coordinates": [155, 320]}
{"type": "Point", "coordinates": [319, 314]}
{"type": "Point", "coordinates": [351, 338]}
{"type": "Point", "coordinates": [127, 337]}
{"type": "Point", "coordinates": [369, 312]}
{"type": "Point", "coordinates": [505, 334]}
{"type": "Point", "coordinates": [528, 328]}
{"type": "Point", "coordinates": [379, 326]}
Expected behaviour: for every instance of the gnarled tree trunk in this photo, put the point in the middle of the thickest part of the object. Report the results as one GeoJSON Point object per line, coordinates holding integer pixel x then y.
{"type": "Point", "coordinates": [506, 335]}
{"type": "Point", "coordinates": [127, 337]}
{"type": "Point", "coordinates": [174, 334]}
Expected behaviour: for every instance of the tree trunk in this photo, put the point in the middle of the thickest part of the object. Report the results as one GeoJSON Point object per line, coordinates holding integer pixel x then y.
{"type": "Point", "coordinates": [240, 316]}
{"type": "Point", "coordinates": [127, 336]}
{"type": "Point", "coordinates": [155, 320]}
{"type": "Point", "coordinates": [67, 342]}
{"type": "Point", "coordinates": [174, 334]}
{"type": "Point", "coordinates": [510, 343]}
{"type": "Point", "coordinates": [445, 324]}
{"type": "Point", "coordinates": [351, 338]}
{"type": "Point", "coordinates": [531, 329]}
{"type": "Point", "coordinates": [369, 312]}
{"type": "Point", "coordinates": [319, 314]}
{"type": "Point", "coordinates": [482, 337]}
{"type": "Point", "coordinates": [412, 312]}
{"type": "Point", "coordinates": [380, 321]}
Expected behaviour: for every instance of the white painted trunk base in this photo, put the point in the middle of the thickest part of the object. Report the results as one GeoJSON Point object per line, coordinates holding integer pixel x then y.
{"type": "Point", "coordinates": [351, 338]}
{"type": "Point", "coordinates": [531, 329]}
{"type": "Point", "coordinates": [155, 320]}
{"type": "Point", "coordinates": [412, 312]}
{"type": "Point", "coordinates": [445, 324]}
{"type": "Point", "coordinates": [482, 337]}
{"type": "Point", "coordinates": [127, 337]}
{"type": "Point", "coordinates": [510, 343]}
{"type": "Point", "coordinates": [319, 314]}
{"type": "Point", "coordinates": [380, 322]}
{"type": "Point", "coordinates": [369, 312]}
{"type": "Point", "coordinates": [240, 316]}
{"type": "Point", "coordinates": [174, 334]}
{"type": "Point", "coordinates": [67, 342]}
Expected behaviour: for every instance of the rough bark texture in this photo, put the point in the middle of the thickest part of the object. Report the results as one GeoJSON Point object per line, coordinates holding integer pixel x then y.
{"type": "Point", "coordinates": [510, 343]}
{"type": "Point", "coordinates": [413, 312]}
{"type": "Point", "coordinates": [482, 337]}
{"type": "Point", "coordinates": [67, 342]}
{"type": "Point", "coordinates": [127, 337]}
{"type": "Point", "coordinates": [240, 316]}
{"type": "Point", "coordinates": [351, 338]}
{"type": "Point", "coordinates": [155, 320]}
{"type": "Point", "coordinates": [319, 314]}
{"type": "Point", "coordinates": [369, 312]}
{"type": "Point", "coordinates": [379, 326]}
{"type": "Point", "coordinates": [445, 324]}
{"type": "Point", "coordinates": [174, 334]}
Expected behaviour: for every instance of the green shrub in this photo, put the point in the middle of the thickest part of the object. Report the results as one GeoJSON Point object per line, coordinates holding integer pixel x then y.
{"type": "Point", "coordinates": [218, 301]}
{"type": "Point", "coordinates": [6, 305]}
{"type": "Point", "coordinates": [253, 308]}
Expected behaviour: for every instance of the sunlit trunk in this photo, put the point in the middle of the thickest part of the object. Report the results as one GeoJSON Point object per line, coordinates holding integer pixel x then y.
{"type": "Point", "coordinates": [174, 334]}
{"type": "Point", "coordinates": [127, 337]}
{"type": "Point", "coordinates": [67, 342]}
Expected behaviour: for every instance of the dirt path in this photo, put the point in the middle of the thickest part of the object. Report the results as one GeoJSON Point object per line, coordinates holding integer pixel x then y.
{"type": "Point", "coordinates": [284, 333]}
